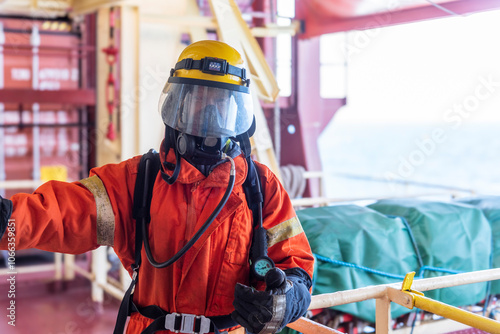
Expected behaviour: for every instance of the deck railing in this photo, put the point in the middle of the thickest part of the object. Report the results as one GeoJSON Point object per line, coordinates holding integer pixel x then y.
{"type": "Point", "coordinates": [387, 293]}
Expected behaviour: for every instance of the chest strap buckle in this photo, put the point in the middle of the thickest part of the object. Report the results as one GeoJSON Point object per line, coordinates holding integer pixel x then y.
{"type": "Point", "coordinates": [187, 323]}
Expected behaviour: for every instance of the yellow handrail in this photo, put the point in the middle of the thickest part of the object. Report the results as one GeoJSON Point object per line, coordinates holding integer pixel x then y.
{"type": "Point", "coordinates": [398, 293]}
{"type": "Point", "coordinates": [417, 299]}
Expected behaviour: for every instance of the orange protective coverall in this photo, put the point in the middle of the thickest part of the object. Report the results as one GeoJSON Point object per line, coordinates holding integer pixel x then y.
{"type": "Point", "coordinates": [80, 216]}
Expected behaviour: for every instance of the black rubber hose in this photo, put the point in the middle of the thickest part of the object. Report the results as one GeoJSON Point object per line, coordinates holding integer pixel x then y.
{"type": "Point", "coordinates": [195, 238]}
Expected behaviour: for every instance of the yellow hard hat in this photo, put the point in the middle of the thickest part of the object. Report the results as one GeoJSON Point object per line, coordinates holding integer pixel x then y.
{"type": "Point", "coordinates": [212, 61]}
{"type": "Point", "coordinates": [207, 93]}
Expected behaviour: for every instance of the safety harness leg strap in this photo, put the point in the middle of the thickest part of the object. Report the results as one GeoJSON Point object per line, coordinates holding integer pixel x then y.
{"type": "Point", "coordinates": [182, 323]}
{"type": "Point", "coordinates": [124, 309]}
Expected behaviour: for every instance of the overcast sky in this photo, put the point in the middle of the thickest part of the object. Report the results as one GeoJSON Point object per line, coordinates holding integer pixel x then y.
{"type": "Point", "coordinates": [427, 72]}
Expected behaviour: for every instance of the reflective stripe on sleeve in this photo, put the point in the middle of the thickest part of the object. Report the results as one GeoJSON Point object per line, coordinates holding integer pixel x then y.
{"type": "Point", "coordinates": [283, 231]}
{"type": "Point", "coordinates": [105, 217]}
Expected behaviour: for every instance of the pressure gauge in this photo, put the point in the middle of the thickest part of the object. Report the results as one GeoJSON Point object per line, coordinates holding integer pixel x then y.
{"type": "Point", "coordinates": [261, 266]}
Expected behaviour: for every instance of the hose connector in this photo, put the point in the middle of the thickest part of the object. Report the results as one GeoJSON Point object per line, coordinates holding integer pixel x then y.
{"type": "Point", "coordinates": [233, 166]}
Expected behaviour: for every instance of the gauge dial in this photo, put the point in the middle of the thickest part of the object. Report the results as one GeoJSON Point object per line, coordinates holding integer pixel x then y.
{"type": "Point", "coordinates": [262, 266]}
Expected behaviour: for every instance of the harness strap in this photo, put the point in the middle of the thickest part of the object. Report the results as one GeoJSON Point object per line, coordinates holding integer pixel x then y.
{"type": "Point", "coordinates": [184, 323]}
{"type": "Point", "coordinates": [252, 184]}
{"type": "Point", "coordinates": [125, 308]}
{"type": "Point", "coordinates": [148, 169]}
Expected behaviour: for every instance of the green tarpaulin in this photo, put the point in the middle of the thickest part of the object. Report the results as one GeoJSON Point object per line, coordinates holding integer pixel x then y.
{"type": "Point", "coordinates": [360, 236]}
{"type": "Point", "coordinates": [490, 205]}
{"type": "Point", "coordinates": [358, 246]}
{"type": "Point", "coordinates": [449, 236]}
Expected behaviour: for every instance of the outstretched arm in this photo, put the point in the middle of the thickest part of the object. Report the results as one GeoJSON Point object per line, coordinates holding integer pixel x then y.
{"type": "Point", "coordinates": [70, 217]}
{"type": "Point", "coordinates": [57, 217]}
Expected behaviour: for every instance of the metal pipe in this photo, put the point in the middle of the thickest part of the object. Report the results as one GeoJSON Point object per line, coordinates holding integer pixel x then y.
{"type": "Point", "coordinates": [84, 142]}
{"type": "Point", "coordinates": [454, 313]}
{"type": "Point", "coordinates": [51, 125]}
{"type": "Point", "coordinates": [43, 32]}
{"type": "Point", "coordinates": [28, 269]}
{"type": "Point", "coordinates": [383, 315]}
{"type": "Point", "coordinates": [2, 44]}
{"type": "Point", "coordinates": [379, 291]}
{"type": "Point", "coordinates": [20, 52]}
{"type": "Point", "coordinates": [434, 283]}
{"type": "Point", "coordinates": [182, 21]}
{"type": "Point", "coordinates": [36, 143]}
{"type": "Point", "coordinates": [277, 111]}
{"type": "Point", "coordinates": [58, 265]}
{"type": "Point", "coordinates": [112, 290]}
{"type": "Point", "coordinates": [404, 182]}
{"type": "Point", "coordinates": [35, 43]}
{"type": "Point", "coordinates": [297, 202]}
{"type": "Point", "coordinates": [83, 273]}
{"type": "Point", "coordinates": [99, 269]}
{"type": "Point", "coordinates": [69, 265]}
{"type": "Point", "coordinates": [82, 48]}
{"type": "Point", "coordinates": [350, 296]}
{"type": "Point", "coordinates": [3, 175]}
{"type": "Point", "coordinates": [304, 325]}
{"type": "Point", "coordinates": [33, 17]}
{"type": "Point", "coordinates": [20, 184]}
{"type": "Point", "coordinates": [313, 174]}
{"type": "Point", "coordinates": [71, 97]}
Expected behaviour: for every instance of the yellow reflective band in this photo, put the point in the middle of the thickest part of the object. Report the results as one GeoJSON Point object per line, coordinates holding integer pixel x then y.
{"type": "Point", "coordinates": [283, 231]}
{"type": "Point", "coordinates": [105, 217]}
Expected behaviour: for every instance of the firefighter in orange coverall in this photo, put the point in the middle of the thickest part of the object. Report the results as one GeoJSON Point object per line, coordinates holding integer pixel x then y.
{"type": "Point", "coordinates": [206, 107]}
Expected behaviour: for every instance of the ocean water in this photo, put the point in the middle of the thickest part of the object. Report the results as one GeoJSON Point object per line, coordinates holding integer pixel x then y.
{"type": "Point", "coordinates": [393, 160]}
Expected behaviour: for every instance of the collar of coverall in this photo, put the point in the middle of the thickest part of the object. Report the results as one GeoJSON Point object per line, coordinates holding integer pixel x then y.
{"type": "Point", "coordinates": [219, 177]}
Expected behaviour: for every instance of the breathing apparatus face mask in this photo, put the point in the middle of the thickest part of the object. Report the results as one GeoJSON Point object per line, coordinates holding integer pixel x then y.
{"type": "Point", "coordinates": [202, 119]}
{"type": "Point", "coordinates": [205, 151]}
{"type": "Point", "coordinates": [205, 111]}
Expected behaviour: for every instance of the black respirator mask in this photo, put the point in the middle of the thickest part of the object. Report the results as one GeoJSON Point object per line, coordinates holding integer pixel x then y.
{"type": "Point", "coordinates": [201, 152]}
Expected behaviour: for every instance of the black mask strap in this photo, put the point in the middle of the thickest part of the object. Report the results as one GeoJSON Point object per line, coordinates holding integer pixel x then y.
{"type": "Point", "coordinates": [244, 140]}
{"type": "Point", "coordinates": [170, 143]}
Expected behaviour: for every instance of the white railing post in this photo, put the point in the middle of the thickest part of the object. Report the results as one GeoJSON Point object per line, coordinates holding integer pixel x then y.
{"type": "Point", "coordinates": [99, 269]}
{"type": "Point", "coordinates": [383, 315]}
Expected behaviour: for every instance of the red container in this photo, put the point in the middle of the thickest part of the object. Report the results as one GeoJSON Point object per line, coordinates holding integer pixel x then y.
{"type": "Point", "coordinates": [40, 134]}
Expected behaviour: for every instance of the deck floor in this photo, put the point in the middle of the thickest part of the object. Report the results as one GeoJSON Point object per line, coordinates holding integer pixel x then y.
{"type": "Point", "coordinates": [45, 308]}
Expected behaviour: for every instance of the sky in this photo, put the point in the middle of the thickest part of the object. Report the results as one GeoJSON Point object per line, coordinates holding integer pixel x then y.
{"type": "Point", "coordinates": [423, 105]}
{"type": "Point", "coordinates": [426, 72]}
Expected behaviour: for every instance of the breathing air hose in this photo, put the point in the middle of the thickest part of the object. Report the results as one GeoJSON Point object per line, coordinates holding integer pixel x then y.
{"type": "Point", "coordinates": [200, 232]}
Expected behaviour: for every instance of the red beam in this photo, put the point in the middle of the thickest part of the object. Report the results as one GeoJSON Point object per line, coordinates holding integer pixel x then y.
{"type": "Point", "coordinates": [315, 26]}
{"type": "Point", "coordinates": [63, 96]}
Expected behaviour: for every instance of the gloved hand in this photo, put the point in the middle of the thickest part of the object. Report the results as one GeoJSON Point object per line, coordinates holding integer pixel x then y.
{"type": "Point", "coordinates": [5, 212]}
{"type": "Point", "coordinates": [271, 310]}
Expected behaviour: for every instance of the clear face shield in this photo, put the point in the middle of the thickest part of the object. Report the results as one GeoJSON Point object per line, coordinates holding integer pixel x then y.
{"type": "Point", "coordinates": [205, 111]}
